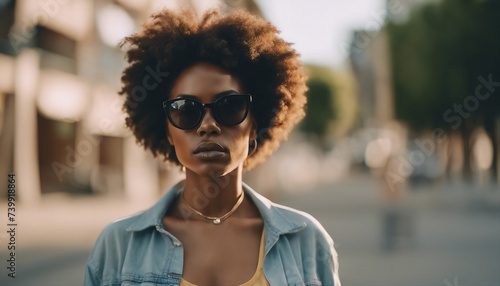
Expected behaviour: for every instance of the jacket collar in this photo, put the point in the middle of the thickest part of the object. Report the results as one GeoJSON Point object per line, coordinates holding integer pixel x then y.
{"type": "Point", "coordinates": [275, 220]}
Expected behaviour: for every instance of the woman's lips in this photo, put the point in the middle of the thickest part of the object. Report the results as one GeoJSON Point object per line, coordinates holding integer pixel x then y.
{"type": "Point", "coordinates": [209, 155]}
{"type": "Point", "coordinates": [209, 151]}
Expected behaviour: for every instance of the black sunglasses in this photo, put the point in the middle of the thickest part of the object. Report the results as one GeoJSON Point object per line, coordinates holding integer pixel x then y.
{"type": "Point", "coordinates": [229, 110]}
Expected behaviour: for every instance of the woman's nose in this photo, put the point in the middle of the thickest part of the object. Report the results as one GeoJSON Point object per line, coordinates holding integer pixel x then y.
{"type": "Point", "coordinates": [208, 125]}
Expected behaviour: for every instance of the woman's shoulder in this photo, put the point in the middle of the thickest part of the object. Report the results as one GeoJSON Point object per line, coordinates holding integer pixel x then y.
{"type": "Point", "coordinates": [122, 225]}
{"type": "Point", "coordinates": [141, 220]}
{"type": "Point", "coordinates": [310, 241]}
{"type": "Point", "coordinates": [314, 245]}
{"type": "Point", "coordinates": [297, 215]}
{"type": "Point", "coordinates": [120, 245]}
{"type": "Point", "coordinates": [287, 220]}
{"type": "Point", "coordinates": [307, 225]}
{"type": "Point", "coordinates": [116, 233]}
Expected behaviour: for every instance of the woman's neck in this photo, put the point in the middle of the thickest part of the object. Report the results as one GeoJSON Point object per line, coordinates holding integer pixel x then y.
{"type": "Point", "coordinates": [213, 195]}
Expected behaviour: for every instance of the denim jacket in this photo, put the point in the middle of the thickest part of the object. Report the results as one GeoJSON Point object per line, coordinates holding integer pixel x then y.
{"type": "Point", "coordinates": [137, 250]}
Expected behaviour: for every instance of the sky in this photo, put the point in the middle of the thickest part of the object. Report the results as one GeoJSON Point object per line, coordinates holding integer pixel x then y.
{"type": "Point", "coordinates": [321, 29]}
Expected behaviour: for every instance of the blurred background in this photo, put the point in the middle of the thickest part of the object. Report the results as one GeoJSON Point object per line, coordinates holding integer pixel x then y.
{"type": "Point", "coordinates": [397, 156]}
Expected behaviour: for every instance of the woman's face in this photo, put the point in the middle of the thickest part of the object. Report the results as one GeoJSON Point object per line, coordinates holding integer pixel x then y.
{"type": "Point", "coordinates": [210, 149]}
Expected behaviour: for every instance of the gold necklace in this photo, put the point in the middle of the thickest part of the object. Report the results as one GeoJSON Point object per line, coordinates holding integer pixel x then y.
{"type": "Point", "coordinates": [214, 219]}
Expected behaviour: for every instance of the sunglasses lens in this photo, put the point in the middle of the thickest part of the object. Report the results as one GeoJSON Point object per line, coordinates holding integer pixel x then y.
{"type": "Point", "coordinates": [232, 110]}
{"type": "Point", "coordinates": [185, 113]}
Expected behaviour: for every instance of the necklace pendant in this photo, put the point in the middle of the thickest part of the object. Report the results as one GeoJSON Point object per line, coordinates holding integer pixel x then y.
{"type": "Point", "coordinates": [216, 221]}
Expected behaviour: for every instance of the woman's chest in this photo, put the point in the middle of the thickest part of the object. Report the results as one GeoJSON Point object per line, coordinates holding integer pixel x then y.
{"type": "Point", "coordinates": [219, 256]}
{"type": "Point", "coordinates": [229, 262]}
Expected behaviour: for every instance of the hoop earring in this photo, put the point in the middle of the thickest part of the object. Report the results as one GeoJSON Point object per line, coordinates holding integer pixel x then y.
{"type": "Point", "coordinates": [254, 148]}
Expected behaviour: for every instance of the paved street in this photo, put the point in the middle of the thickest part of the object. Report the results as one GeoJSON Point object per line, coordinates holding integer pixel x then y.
{"type": "Point", "coordinates": [449, 234]}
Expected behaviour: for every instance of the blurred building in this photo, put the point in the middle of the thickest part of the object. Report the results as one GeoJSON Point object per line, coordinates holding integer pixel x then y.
{"type": "Point", "coordinates": [370, 61]}
{"type": "Point", "coordinates": [61, 124]}
{"type": "Point", "coordinates": [371, 66]}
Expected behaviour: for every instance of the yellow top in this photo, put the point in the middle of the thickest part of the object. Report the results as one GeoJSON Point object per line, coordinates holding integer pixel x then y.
{"type": "Point", "coordinates": [258, 279]}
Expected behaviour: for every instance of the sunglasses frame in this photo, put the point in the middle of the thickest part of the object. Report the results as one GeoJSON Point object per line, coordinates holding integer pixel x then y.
{"type": "Point", "coordinates": [212, 105]}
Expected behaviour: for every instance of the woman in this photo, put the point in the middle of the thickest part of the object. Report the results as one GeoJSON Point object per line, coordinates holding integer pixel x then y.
{"type": "Point", "coordinates": [215, 96]}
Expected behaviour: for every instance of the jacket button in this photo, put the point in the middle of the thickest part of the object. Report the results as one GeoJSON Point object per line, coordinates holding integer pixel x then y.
{"type": "Point", "coordinates": [177, 244]}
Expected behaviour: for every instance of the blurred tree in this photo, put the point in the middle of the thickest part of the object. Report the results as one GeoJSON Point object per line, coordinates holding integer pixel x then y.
{"type": "Point", "coordinates": [344, 105]}
{"type": "Point", "coordinates": [441, 56]}
{"type": "Point", "coordinates": [320, 108]}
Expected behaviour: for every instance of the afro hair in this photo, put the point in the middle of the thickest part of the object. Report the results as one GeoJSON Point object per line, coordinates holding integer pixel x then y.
{"type": "Point", "coordinates": [245, 45]}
